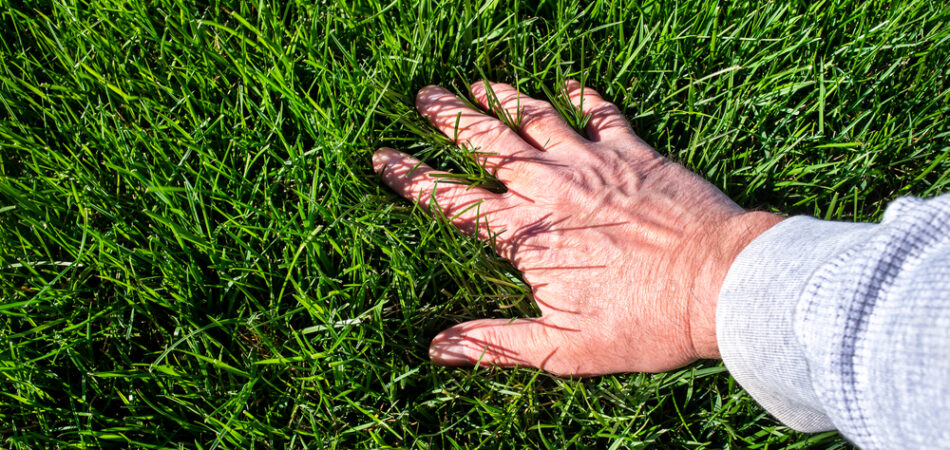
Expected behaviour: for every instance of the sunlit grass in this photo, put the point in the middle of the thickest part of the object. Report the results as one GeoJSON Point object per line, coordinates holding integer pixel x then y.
{"type": "Point", "coordinates": [194, 250]}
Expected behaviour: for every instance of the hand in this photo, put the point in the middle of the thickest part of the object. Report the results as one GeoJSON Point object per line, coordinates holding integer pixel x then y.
{"type": "Point", "coordinates": [624, 250]}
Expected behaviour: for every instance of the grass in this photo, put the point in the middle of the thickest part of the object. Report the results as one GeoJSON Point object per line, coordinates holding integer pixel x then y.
{"type": "Point", "coordinates": [194, 251]}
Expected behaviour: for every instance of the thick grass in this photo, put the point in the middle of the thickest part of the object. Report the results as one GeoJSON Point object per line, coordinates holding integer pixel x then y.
{"type": "Point", "coordinates": [194, 251]}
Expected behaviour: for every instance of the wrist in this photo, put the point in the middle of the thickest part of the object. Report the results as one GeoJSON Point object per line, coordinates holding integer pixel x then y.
{"type": "Point", "coordinates": [723, 246]}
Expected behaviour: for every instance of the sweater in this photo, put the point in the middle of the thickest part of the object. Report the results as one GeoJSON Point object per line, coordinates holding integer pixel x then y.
{"type": "Point", "coordinates": [832, 325]}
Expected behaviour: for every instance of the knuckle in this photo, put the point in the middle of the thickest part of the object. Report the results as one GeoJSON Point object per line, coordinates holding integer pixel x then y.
{"type": "Point", "coordinates": [540, 114]}
{"type": "Point", "coordinates": [549, 125]}
{"type": "Point", "coordinates": [496, 347]}
{"type": "Point", "coordinates": [585, 95]}
{"type": "Point", "coordinates": [489, 140]}
{"type": "Point", "coordinates": [609, 118]}
{"type": "Point", "coordinates": [603, 110]}
{"type": "Point", "coordinates": [542, 172]}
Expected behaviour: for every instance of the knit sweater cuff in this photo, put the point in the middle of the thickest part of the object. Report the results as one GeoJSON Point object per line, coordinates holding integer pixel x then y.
{"type": "Point", "coordinates": [756, 308]}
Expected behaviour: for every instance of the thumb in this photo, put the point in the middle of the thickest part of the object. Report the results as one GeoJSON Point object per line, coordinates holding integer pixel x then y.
{"type": "Point", "coordinates": [501, 342]}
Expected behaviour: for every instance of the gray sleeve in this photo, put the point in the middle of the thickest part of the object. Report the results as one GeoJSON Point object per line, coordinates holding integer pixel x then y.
{"type": "Point", "coordinates": [832, 325]}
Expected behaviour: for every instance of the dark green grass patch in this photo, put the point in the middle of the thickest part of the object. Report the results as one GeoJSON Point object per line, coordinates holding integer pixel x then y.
{"type": "Point", "coordinates": [194, 251]}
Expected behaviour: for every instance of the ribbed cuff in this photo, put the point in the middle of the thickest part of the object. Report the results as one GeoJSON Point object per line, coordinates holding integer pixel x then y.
{"type": "Point", "coordinates": [754, 316]}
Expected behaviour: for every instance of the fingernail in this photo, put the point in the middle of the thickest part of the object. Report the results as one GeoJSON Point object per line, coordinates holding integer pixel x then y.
{"type": "Point", "coordinates": [479, 86]}
{"type": "Point", "coordinates": [447, 350]}
{"type": "Point", "coordinates": [448, 355]}
{"type": "Point", "coordinates": [427, 94]}
{"type": "Point", "coordinates": [381, 159]}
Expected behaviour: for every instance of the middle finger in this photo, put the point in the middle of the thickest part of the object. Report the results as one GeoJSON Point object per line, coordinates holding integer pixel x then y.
{"type": "Point", "coordinates": [499, 148]}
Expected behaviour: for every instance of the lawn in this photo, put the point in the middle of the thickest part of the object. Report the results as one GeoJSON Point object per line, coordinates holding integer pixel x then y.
{"type": "Point", "coordinates": [195, 252]}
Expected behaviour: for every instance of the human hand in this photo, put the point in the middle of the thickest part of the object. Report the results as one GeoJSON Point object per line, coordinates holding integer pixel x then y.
{"type": "Point", "coordinates": [624, 250]}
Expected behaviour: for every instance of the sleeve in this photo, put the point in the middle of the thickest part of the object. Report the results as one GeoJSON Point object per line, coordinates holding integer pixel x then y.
{"type": "Point", "coordinates": [832, 325]}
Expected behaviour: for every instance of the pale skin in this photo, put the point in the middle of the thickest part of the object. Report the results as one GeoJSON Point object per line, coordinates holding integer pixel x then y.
{"type": "Point", "coordinates": [624, 250]}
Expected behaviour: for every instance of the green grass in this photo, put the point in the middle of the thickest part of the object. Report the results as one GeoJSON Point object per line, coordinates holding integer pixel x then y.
{"type": "Point", "coordinates": [194, 250]}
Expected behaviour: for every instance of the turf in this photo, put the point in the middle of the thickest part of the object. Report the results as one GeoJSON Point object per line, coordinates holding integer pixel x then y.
{"type": "Point", "coordinates": [194, 251]}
